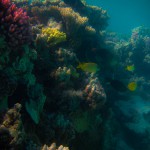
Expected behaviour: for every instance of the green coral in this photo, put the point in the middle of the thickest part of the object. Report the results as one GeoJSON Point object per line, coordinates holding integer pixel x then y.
{"type": "Point", "coordinates": [53, 36]}
{"type": "Point", "coordinates": [23, 64]}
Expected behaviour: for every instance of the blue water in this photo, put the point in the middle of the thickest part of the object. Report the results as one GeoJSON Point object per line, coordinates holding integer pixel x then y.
{"type": "Point", "coordinates": [125, 14]}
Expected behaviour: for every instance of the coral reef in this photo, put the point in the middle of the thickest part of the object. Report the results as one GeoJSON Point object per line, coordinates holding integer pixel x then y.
{"type": "Point", "coordinates": [53, 36]}
{"type": "Point", "coordinates": [94, 92]}
{"type": "Point", "coordinates": [59, 102]}
{"type": "Point", "coordinates": [42, 74]}
{"type": "Point", "coordinates": [53, 147]}
{"type": "Point", "coordinates": [39, 59]}
{"type": "Point", "coordinates": [11, 129]}
{"type": "Point", "coordinates": [14, 24]}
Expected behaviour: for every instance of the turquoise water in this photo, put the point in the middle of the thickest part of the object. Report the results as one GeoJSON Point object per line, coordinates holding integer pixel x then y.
{"type": "Point", "coordinates": [125, 14]}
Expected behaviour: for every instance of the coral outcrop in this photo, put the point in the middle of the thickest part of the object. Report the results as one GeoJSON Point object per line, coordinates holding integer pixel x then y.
{"type": "Point", "coordinates": [53, 36]}
{"type": "Point", "coordinates": [14, 24]}
{"type": "Point", "coordinates": [59, 101]}
{"type": "Point", "coordinates": [11, 129]}
{"type": "Point", "coordinates": [53, 147]}
{"type": "Point", "coordinates": [94, 92]}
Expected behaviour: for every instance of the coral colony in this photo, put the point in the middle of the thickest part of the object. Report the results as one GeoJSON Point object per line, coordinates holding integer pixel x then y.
{"type": "Point", "coordinates": [14, 24]}
{"type": "Point", "coordinates": [65, 79]}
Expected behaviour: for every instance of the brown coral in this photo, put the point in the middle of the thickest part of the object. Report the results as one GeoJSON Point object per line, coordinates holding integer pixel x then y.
{"type": "Point", "coordinates": [94, 92]}
{"type": "Point", "coordinates": [53, 147]}
{"type": "Point", "coordinates": [11, 128]}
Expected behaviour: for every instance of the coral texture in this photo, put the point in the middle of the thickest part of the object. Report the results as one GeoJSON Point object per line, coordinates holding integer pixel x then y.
{"type": "Point", "coordinates": [53, 147]}
{"type": "Point", "coordinates": [14, 24]}
{"type": "Point", "coordinates": [53, 36]}
{"type": "Point", "coordinates": [94, 92]}
{"type": "Point", "coordinates": [11, 128]}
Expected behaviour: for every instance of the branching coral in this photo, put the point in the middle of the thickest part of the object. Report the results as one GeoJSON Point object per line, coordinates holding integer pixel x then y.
{"type": "Point", "coordinates": [14, 24]}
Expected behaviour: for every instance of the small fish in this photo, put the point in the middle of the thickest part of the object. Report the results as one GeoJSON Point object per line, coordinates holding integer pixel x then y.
{"type": "Point", "coordinates": [88, 67]}
{"type": "Point", "coordinates": [132, 86]}
{"type": "Point", "coordinates": [130, 68]}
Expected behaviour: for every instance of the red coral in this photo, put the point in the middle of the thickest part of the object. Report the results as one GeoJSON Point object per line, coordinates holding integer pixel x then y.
{"type": "Point", "coordinates": [14, 24]}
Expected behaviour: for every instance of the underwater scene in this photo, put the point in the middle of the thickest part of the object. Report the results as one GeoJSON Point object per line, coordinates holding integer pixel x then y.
{"type": "Point", "coordinates": [74, 75]}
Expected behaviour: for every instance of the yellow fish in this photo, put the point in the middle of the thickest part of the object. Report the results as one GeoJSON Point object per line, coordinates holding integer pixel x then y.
{"type": "Point", "coordinates": [132, 86]}
{"type": "Point", "coordinates": [88, 67]}
{"type": "Point", "coordinates": [130, 68]}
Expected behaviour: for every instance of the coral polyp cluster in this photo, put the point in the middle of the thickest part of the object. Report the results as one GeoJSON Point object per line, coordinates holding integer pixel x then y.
{"type": "Point", "coordinates": [53, 36]}
{"type": "Point", "coordinates": [14, 24]}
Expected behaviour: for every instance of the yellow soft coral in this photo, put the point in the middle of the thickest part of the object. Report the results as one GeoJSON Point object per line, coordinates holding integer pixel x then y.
{"type": "Point", "coordinates": [53, 36]}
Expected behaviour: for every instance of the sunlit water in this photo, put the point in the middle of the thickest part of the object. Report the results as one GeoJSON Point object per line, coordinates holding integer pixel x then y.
{"type": "Point", "coordinates": [125, 14]}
